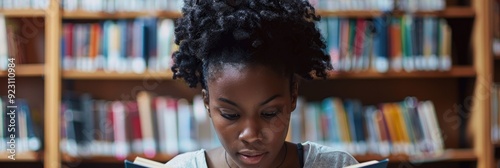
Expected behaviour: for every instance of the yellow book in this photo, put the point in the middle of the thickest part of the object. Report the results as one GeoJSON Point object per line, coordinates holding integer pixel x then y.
{"type": "Point", "coordinates": [342, 119]}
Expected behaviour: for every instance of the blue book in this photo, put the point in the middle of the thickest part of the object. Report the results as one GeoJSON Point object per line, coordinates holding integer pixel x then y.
{"type": "Point", "coordinates": [371, 164]}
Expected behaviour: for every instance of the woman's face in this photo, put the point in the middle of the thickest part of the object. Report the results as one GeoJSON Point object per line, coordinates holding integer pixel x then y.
{"type": "Point", "coordinates": [250, 107]}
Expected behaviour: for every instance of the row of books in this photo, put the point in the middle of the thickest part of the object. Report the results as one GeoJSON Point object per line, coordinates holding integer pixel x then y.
{"type": "Point", "coordinates": [407, 127]}
{"type": "Point", "coordinates": [149, 125]}
{"type": "Point", "coordinates": [24, 4]}
{"type": "Point", "coordinates": [379, 5]}
{"type": "Point", "coordinates": [118, 45]}
{"type": "Point", "coordinates": [18, 129]}
{"type": "Point", "coordinates": [388, 43]}
{"type": "Point", "coordinates": [495, 113]}
{"type": "Point", "coordinates": [122, 5]}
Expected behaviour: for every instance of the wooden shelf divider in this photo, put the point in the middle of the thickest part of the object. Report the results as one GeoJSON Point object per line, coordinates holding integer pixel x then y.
{"type": "Point", "coordinates": [119, 15]}
{"type": "Point", "coordinates": [115, 75]}
{"type": "Point", "coordinates": [26, 70]}
{"type": "Point", "coordinates": [23, 12]}
{"type": "Point", "coordinates": [451, 12]}
{"type": "Point", "coordinates": [457, 71]}
{"type": "Point", "coordinates": [447, 155]}
{"type": "Point", "coordinates": [112, 159]}
{"type": "Point", "coordinates": [21, 157]}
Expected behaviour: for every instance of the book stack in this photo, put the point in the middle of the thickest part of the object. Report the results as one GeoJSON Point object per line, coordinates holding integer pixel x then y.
{"type": "Point", "coordinates": [385, 44]}
{"type": "Point", "coordinates": [495, 113]}
{"type": "Point", "coordinates": [408, 127]}
{"type": "Point", "coordinates": [18, 127]}
{"type": "Point", "coordinates": [118, 45]}
{"type": "Point", "coordinates": [122, 5]}
{"type": "Point", "coordinates": [24, 4]}
{"type": "Point", "coordinates": [150, 125]}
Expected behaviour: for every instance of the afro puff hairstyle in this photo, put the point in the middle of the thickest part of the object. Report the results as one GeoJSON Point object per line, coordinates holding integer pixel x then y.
{"type": "Point", "coordinates": [278, 33]}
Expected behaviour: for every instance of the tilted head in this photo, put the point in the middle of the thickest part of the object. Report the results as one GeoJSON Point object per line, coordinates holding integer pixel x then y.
{"type": "Point", "coordinates": [248, 56]}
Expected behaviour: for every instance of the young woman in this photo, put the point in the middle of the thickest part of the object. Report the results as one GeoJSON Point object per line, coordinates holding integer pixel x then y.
{"type": "Point", "coordinates": [248, 57]}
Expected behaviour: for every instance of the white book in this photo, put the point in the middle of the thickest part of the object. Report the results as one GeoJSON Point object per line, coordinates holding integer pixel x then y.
{"type": "Point", "coordinates": [119, 125]}
{"type": "Point", "coordinates": [161, 108]}
{"type": "Point", "coordinates": [170, 118]}
{"type": "Point", "coordinates": [165, 38]}
{"type": "Point", "coordinates": [185, 126]}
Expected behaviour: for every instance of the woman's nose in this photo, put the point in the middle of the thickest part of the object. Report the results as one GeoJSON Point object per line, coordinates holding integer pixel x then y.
{"type": "Point", "coordinates": [251, 132]}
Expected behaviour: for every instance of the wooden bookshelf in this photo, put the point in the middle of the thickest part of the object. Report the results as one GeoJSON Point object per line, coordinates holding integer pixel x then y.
{"type": "Point", "coordinates": [23, 12]}
{"type": "Point", "coordinates": [447, 156]}
{"type": "Point", "coordinates": [112, 159]}
{"type": "Point", "coordinates": [115, 75]}
{"type": "Point", "coordinates": [480, 71]}
{"type": "Point", "coordinates": [455, 72]}
{"type": "Point", "coordinates": [118, 15]}
{"type": "Point", "coordinates": [22, 157]}
{"type": "Point", "coordinates": [451, 12]}
{"type": "Point", "coordinates": [26, 70]}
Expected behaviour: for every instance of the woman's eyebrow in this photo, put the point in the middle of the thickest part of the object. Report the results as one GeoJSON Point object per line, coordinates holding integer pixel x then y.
{"type": "Point", "coordinates": [228, 101]}
{"type": "Point", "coordinates": [270, 99]}
{"type": "Point", "coordinates": [236, 105]}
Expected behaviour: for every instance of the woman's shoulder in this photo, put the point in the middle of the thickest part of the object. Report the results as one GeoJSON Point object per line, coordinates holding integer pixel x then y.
{"type": "Point", "coordinates": [189, 159]}
{"type": "Point", "coordinates": [317, 155]}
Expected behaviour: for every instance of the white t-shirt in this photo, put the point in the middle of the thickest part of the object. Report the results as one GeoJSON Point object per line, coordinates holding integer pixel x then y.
{"type": "Point", "coordinates": [315, 155]}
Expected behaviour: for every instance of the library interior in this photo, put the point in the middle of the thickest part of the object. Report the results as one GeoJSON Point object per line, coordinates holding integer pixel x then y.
{"type": "Point", "coordinates": [88, 83]}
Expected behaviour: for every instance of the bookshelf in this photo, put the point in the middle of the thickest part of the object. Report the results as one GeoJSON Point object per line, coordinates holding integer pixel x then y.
{"type": "Point", "coordinates": [445, 88]}
{"type": "Point", "coordinates": [23, 12]}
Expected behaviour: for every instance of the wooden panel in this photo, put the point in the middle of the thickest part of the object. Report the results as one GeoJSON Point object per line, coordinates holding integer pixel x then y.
{"type": "Point", "coordinates": [52, 86]}
{"type": "Point", "coordinates": [21, 157]}
{"type": "Point", "coordinates": [456, 71]}
{"type": "Point", "coordinates": [119, 15]}
{"type": "Point", "coordinates": [23, 12]}
{"type": "Point", "coordinates": [116, 75]}
{"type": "Point", "coordinates": [163, 158]}
{"type": "Point", "coordinates": [451, 12]}
{"type": "Point", "coordinates": [26, 70]}
{"type": "Point", "coordinates": [480, 128]}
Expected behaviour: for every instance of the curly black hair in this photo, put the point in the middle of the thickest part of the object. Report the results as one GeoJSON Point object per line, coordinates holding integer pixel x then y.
{"type": "Point", "coordinates": [281, 33]}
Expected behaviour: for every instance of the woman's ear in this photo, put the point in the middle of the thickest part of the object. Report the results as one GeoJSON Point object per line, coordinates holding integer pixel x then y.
{"type": "Point", "coordinates": [205, 101]}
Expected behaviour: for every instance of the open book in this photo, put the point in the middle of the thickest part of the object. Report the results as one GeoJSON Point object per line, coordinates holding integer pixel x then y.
{"type": "Point", "coordinates": [143, 163]}
{"type": "Point", "coordinates": [146, 163]}
{"type": "Point", "coordinates": [371, 164]}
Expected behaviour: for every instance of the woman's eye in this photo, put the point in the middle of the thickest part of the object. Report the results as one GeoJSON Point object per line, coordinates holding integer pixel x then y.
{"type": "Point", "coordinates": [230, 116]}
{"type": "Point", "coordinates": [270, 114]}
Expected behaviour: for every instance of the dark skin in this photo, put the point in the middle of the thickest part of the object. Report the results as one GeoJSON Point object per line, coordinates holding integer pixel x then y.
{"type": "Point", "coordinates": [250, 107]}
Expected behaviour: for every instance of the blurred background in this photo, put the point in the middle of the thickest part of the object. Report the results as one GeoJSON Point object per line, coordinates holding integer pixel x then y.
{"type": "Point", "coordinates": [415, 81]}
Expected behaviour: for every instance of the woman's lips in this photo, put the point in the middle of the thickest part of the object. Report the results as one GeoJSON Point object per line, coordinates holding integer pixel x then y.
{"type": "Point", "coordinates": [251, 158]}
